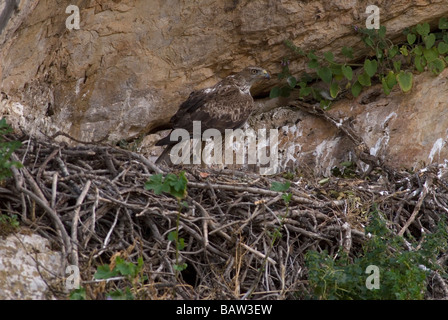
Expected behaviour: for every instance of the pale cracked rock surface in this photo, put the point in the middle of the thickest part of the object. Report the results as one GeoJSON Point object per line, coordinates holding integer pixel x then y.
{"type": "Point", "coordinates": [407, 131]}
{"type": "Point", "coordinates": [27, 264]}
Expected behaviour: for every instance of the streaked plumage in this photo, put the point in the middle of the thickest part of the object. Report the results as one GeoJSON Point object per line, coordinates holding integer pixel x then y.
{"type": "Point", "coordinates": [226, 105]}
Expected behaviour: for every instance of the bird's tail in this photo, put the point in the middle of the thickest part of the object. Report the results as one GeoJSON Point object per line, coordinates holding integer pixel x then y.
{"type": "Point", "coordinates": [164, 141]}
{"type": "Point", "coordinates": [165, 158]}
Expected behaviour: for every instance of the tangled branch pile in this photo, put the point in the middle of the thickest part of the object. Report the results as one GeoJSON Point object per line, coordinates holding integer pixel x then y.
{"type": "Point", "coordinates": [241, 239]}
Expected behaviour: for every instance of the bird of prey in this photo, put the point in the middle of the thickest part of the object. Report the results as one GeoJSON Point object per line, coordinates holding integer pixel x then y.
{"type": "Point", "coordinates": [226, 105]}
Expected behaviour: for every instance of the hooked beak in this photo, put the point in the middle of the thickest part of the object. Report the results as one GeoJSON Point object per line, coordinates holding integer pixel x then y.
{"type": "Point", "coordinates": [266, 75]}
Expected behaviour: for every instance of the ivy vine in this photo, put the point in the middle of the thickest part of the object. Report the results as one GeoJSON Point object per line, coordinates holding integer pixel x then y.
{"type": "Point", "coordinates": [387, 63]}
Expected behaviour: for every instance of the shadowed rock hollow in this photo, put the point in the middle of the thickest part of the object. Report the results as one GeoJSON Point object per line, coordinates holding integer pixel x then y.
{"type": "Point", "coordinates": [131, 63]}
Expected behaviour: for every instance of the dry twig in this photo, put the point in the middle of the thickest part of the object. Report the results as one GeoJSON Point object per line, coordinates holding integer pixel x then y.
{"type": "Point", "coordinates": [91, 201]}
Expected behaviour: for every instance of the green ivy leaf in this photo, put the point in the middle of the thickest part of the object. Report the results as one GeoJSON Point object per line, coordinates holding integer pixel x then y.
{"type": "Point", "coordinates": [313, 64]}
{"type": "Point", "coordinates": [393, 51]}
{"type": "Point", "coordinates": [304, 92]}
{"type": "Point", "coordinates": [379, 53]}
{"type": "Point", "coordinates": [418, 63]}
{"type": "Point", "coordinates": [370, 67]}
{"type": "Point", "coordinates": [172, 184]}
{"type": "Point", "coordinates": [437, 66]}
{"type": "Point", "coordinates": [364, 79]}
{"type": "Point", "coordinates": [303, 84]}
{"type": "Point", "coordinates": [172, 236]}
{"type": "Point", "coordinates": [442, 47]}
{"type": "Point", "coordinates": [325, 74]}
{"type": "Point", "coordinates": [280, 187]}
{"type": "Point", "coordinates": [78, 294]}
{"type": "Point", "coordinates": [334, 90]}
{"type": "Point", "coordinates": [356, 89]}
{"type": "Point", "coordinates": [180, 267]}
{"type": "Point", "coordinates": [443, 23]}
{"type": "Point", "coordinates": [391, 80]}
{"type": "Point", "coordinates": [418, 50]}
{"type": "Point", "coordinates": [348, 52]}
{"type": "Point", "coordinates": [404, 51]}
{"type": "Point", "coordinates": [423, 29]}
{"type": "Point", "coordinates": [275, 92]}
{"type": "Point", "coordinates": [121, 295]}
{"type": "Point", "coordinates": [140, 262]}
{"type": "Point", "coordinates": [287, 197]}
{"type": "Point", "coordinates": [312, 56]}
{"type": "Point", "coordinates": [156, 183]}
{"type": "Point", "coordinates": [125, 268]}
{"type": "Point", "coordinates": [181, 244]}
{"type": "Point", "coordinates": [411, 38]}
{"type": "Point", "coordinates": [348, 72]}
{"type": "Point", "coordinates": [325, 104]}
{"type": "Point", "coordinates": [397, 66]}
{"type": "Point", "coordinates": [104, 272]}
{"type": "Point", "coordinates": [337, 71]}
{"type": "Point", "coordinates": [430, 54]}
{"type": "Point", "coordinates": [292, 81]}
{"type": "Point", "coordinates": [7, 148]}
{"type": "Point", "coordinates": [329, 56]}
{"type": "Point", "coordinates": [382, 32]}
{"type": "Point", "coordinates": [386, 88]}
{"type": "Point", "coordinates": [405, 80]}
{"type": "Point", "coordinates": [429, 40]}
{"type": "Point", "coordinates": [368, 41]}
{"type": "Point", "coordinates": [179, 185]}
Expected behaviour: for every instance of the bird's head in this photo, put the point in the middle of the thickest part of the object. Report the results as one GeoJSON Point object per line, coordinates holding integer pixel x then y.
{"type": "Point", "coordinates": [253, 74]}
{"type": "Point", "coordinates": [248, 76]}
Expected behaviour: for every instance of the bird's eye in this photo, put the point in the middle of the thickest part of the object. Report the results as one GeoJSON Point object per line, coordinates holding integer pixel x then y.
{"type": "Point", "coordinates": [254, 71]}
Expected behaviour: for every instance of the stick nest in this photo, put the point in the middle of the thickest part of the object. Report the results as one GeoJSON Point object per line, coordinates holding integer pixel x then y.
{"type": "Point", "coordinates": [241, 239]}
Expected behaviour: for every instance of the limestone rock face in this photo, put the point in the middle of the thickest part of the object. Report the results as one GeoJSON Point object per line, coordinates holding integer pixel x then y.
{"type": "Point", "coordinates": [405, 130]}
{"type": "Point", "coordinates": [27, 265]}
{"type": "Point", "coordinates": [131, 63]}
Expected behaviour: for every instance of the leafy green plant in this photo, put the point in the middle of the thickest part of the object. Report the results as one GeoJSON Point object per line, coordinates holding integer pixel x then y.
{"type": "Point", "coordinates": [6, 150]}
{"type": "Point", "coordinates": [429, 48]}
{"type": "Point", "coordinates": [129, 271]}
{"type": "Point", "coordinates": [282, 187]}
{"type": "Point", "coordinates": [122, 267]}
{"type": "Point", "coordinates": [8, 224]}
{"type": "Point", "coordinates": [403, 273]}
{"type": "Point", "coordinates": [171, 183]}
{"type": "Point", "coordinates": [387, 63]}
{"type": "Point", "coordinates": [78, 294]}
{"type": "Point", "coordinates": [177, 187]}
{"type": "Point", "coordinates": [9, 220]}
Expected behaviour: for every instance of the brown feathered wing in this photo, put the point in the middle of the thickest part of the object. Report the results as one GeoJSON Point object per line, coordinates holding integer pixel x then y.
{"type": "Point", "coordinates": [221, 107]}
